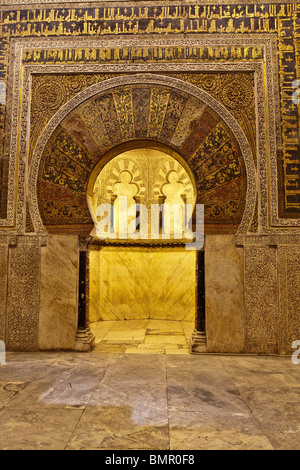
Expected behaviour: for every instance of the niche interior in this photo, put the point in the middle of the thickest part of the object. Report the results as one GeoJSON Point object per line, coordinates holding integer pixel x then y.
{"type": "Point", "coordinates": [147, 285]}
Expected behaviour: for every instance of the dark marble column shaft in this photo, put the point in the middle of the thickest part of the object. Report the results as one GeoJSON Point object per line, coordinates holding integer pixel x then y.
{"type": "Point", "coordinates": [198, 343]}
{"type": "Point", "coordinates": [82, 291]}
{"type": "Point", "coordinates": [85, 341]}
{"type": "Point", "coordinates": [201, 316]}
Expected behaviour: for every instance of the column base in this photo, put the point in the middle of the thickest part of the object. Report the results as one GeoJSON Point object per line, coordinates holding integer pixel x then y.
{"type": "Point", "coordinates": [85, 341]}
{"type": "Point", "coordinates": [198, 343]}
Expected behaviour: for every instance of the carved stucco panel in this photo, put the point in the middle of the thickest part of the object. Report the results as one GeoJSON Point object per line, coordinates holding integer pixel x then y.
{"type": "Point", "coordinates": [134, 80]}
{"type": "Point", "coordinates": [261, 299]}
{"type": "Point", "coordinates": [271, 67]}
{"type": "Point", "coordinates": [23, 294]}
{"type": "Point", "coordinates": [289, 287]}
{"type": "Point", "coordinates": [3, 287]}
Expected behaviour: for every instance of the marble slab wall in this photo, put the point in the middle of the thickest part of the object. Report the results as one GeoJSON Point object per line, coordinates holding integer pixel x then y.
{"type": "Point", "coordinates": [141, 283]}
{"type": "Point", "coordinates": [59, 279]}
{"type": "Point", "coordinates": [23, 294]}
{"type": "Point", "coordinates": [224, 285]}
{"type": "Point", "coordinates": [3, 287]}
{"type": "Point", "coordinates": [124, 284]}
{"type": "Point", "coordinates": [172, 285]}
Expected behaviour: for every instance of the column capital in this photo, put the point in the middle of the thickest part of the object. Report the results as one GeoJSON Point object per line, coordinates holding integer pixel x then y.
{"type": "Point", "coordinates": [84, 242]}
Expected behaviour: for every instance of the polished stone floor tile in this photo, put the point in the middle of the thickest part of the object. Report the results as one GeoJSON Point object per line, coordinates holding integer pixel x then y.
{"type": "Point", "coordinates": [275, 405]}
{"type": "Point", "coordinates": [136, 336]}
{"type": "Point", "coordinates": [246, 365]}
{"type": "Point", "coordinates": [67, 359]}
{"type": "Point", "coordinates": [149, 369]}
{"type": "Point", "coordinates": [191, 362]}
{"type": "Point", "coordinates": [114, 428]}
{"type": "Point", "coordinates": [188, 329]}
{"type": "Point", "coordinates": [63, 388]}
{"type": "Point", "coordinates": [150, 401]}
{"type": "Point", "coordinates": [198, 397]}
{"type": "Point", "coordinates": [147, 349]}
{"type": "Point", "coordinates": [131, 325]}
{"type": "Point", "coordinates": [165, 339]}
{"type": "Point", "coordinates": [24, 371]}
{"type": "Point", "coordinates": [197, 431]}
{"type": "Point", "coordinates": [124, 416]}
{"type": "Point", "coordinates": [177, 350]}
{"type": "Point", "coordinates": [111, 348]}
{"type": "Point", "coordinates": [164, 327]}
{"type": "Point", "coordinates": [9, 390]}
{"type": "Point", "coordinates": [37, 427]}
{"type": "Point", "coordinates": [280, 422]}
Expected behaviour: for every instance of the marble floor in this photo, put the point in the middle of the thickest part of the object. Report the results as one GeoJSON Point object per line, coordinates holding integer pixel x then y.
{"type": "Point", "coordinates": [155, 402]}
{"type": "Point", "coordinates": [143, 336]}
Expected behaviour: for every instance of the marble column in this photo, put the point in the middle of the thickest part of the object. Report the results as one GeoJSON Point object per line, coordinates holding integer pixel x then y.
{"type": "Point", "coordinates": [198, 344]}
{"type": "Point", "coordinates": [85, 341]}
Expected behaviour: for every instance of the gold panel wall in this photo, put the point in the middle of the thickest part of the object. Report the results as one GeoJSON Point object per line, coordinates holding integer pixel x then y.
{"type": "Point", "coordinates": [141, 283]}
